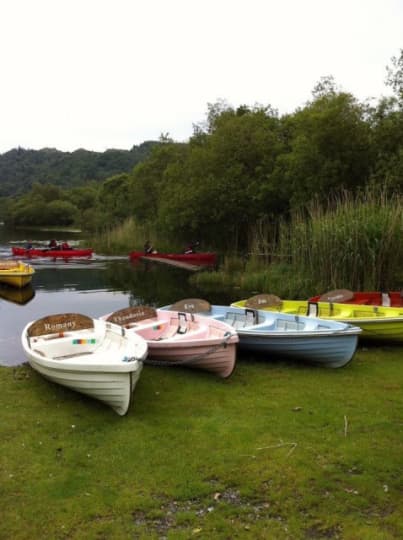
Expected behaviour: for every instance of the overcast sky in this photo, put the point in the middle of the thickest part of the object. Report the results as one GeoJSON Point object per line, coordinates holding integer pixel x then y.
{"type": "Point", "coordinates": [100, 74]}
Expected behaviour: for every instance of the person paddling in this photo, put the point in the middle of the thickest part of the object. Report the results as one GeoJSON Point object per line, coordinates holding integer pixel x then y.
{"type": "Point", "coordinates": [148, 248]}
{"type": "Point", "coordinates": [52, 244]}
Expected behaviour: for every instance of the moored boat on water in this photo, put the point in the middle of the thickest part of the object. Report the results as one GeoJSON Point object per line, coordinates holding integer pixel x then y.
{"type": "Point", "coordinates": [15, 273]}
{"type": "Point", "coordinates": [378, 323]}
{"type": "Point", "coordinates": [88, 355]}
{"type": "Point", "coordinates": [371, 298]}
{"type": "Point", "coordinates": [53, 253]}
{"type": "Point", "coordinates": [181, 339]}
{"type": "Point", "coordinates": [325, 343]}
{"type": "Point", "coordinates": [201, 258]}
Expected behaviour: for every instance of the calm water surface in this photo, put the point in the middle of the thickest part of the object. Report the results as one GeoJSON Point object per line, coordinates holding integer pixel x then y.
{"type": "Point", "coordinates": [91, 286]}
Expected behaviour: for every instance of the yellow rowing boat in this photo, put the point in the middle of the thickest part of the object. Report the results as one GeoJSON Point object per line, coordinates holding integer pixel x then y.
{"type": "Point", "coordinates": [15, 273]}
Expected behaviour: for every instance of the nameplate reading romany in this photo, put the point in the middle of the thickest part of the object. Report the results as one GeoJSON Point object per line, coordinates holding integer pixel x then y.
{"type": "Point", "coordinates": [58, 327]}
{"type": "Point", "coordinates": [53, 324]}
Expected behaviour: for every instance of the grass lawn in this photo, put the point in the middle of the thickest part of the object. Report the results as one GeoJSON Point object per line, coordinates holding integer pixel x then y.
{"type": "Point", "coordinates": [277, 451]}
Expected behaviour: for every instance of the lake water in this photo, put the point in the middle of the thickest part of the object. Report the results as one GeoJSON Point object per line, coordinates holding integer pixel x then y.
{"type": "Point", "coordinates": [91, 286]}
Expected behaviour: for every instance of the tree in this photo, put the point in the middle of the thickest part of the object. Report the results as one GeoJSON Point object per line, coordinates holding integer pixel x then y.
{"type": "Point", "coordinates": [329, 148]}
{"type": "Point", "coordinates": [395, 77]}
{"type": "Point", "coordinates": [146, 185]}
{"type": "Point", "coordinates": [387, 143]}
{"type": "Point", "coordinates": [59, 212]}
{"type": "Point", "coordinates": [221, 183]}
{"type": "Point", "coordinates": [114, 203]}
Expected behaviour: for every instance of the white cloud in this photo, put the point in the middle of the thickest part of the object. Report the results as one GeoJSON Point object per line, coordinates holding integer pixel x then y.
{"type": "Point", "coordinates": [100, 73]}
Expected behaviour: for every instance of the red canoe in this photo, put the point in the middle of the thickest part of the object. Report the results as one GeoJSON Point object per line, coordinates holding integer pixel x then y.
{"type": "Point", "coordinates": [53, 253]}
{"type": "Point", "coordinates": [372, 298]}
{"type": "Point", "coordinates": [191, 258]}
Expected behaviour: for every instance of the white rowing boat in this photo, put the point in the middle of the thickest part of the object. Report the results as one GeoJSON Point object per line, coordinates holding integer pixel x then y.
{"type": "Point", "coordinates": [88, 355]}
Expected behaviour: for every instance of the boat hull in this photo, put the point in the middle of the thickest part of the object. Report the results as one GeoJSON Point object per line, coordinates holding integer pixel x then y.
{"type": "Point", "coordinates": [178, 339]}
{"type": "Point", "coordinates": [217, 356]}
{"type": "Point", "coordinates": [111, 388]}
{"type": "Point", "coordinates": [52, 253]}
{"type": "Point", "coordinates": [190, 258]}
{"type": "Point", "coordinates": [16, 274]}
{"type": "Point", "coordinates": [328, 351]}
{"type": "Point", "coordinates": [324, 343]}
{"type": "Point", "coordinates": [378, 323]}
{"type": "Point", "coordinates": [101, 363]}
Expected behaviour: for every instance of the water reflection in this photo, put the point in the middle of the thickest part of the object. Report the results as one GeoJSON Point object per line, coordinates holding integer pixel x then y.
{"type": "Point", "coordinates": [17, 296]}
{"type": "Point", "coordinates": [93, 286]}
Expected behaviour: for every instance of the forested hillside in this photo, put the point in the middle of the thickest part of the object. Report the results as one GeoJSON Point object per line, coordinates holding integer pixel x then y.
{"type": "Point", "coordinates": [21, 168]}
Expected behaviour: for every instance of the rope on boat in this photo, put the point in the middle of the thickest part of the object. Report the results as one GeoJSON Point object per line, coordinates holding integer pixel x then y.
{"type": "Point", "coordinates": [227, 337]}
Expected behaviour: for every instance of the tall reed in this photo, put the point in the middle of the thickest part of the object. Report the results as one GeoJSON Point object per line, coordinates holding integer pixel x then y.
{"type": "Point", "coordinates": [353, 242]}
{"type": "Point", "coordinates": [125, 237]}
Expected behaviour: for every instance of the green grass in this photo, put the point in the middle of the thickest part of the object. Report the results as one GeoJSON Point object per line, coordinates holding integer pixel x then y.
{"type": "Point", "coordinates": [277, 451]}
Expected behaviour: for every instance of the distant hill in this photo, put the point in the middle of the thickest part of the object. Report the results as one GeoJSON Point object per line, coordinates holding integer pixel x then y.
{"type": "Point", "coordinates": [20, 168]}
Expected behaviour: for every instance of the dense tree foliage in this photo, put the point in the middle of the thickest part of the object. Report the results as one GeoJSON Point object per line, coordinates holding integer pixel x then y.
{"type": "Point", "coordinates": [221, 185]}
{"type": "Point", "coordinates": [241, 165]}
{"type": "Point", "coordinates": [329, 148]}
{"type": "Point", "coordinates": [21, 168]}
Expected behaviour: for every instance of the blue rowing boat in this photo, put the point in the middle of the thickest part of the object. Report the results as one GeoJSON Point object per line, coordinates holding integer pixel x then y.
{"type": "Point", "coordinates": [309, 339]}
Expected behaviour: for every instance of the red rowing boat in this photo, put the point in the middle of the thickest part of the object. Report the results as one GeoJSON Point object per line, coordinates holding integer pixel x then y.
{"type": "Point", "coordinates": [372, 298]}
{"type": "Point", "coordinates": [191, 258]}
{"type": "Point", "coordinates": [53, 253]}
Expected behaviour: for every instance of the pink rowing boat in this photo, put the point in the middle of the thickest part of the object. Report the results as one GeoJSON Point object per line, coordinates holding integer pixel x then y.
{"type": "Point", "coordinates": [53, 253]}
{"type": "Point", "coordinates": [181, 339]}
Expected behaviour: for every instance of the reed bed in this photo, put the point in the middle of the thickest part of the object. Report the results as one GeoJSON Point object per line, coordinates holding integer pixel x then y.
{"type": "Point", "coordinates": [352, 241]}
{"type": "Point", "coordinates": [125, 237]}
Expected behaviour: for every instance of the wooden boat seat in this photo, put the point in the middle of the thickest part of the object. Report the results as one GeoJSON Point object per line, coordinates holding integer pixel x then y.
{"type": "Point", "coordinates": [183, 325]}
{"type": "Point", "coordinates": [196, 333]}
{"type": "Point", "coordinates": [241, 320]}
{"type": "Point", "coordinates": [286, 325]}
{"type": "Point", "coordinates": [67, 346]}
{"type": "Point", "coordinates": [192, 305]}
{"type": "Point", "coordinates": [146, 325]}
{"type": "Point", "coordinates": [386, 300]}
{"type": "Point", "coordinates": [130, 315]}
{"type": "Point", "coordinates": [312, 309]}
{"type": "Point", "coordinates": [338, 295]}
{"type": "Point", "coordinates": [229, 318]}
{"type": "Point", "coordinates": [69, 356]}
{"type": "Point", "coordinates": [260, 301]}
{"type": "Point", "coordinates": [56, 325]}
{"type": "Point", "coordinates": [239, 323]}
{"type": "Point", "coordinates": [8, 265]}
{"type": "Point", "coordinates": [170, 332]}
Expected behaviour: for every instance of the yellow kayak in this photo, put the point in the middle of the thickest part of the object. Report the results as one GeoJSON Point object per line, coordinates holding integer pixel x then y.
{"type": "Point", "coordinates": [376, 322]}
{"type": "Point", "coordinates": [15, 273]}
